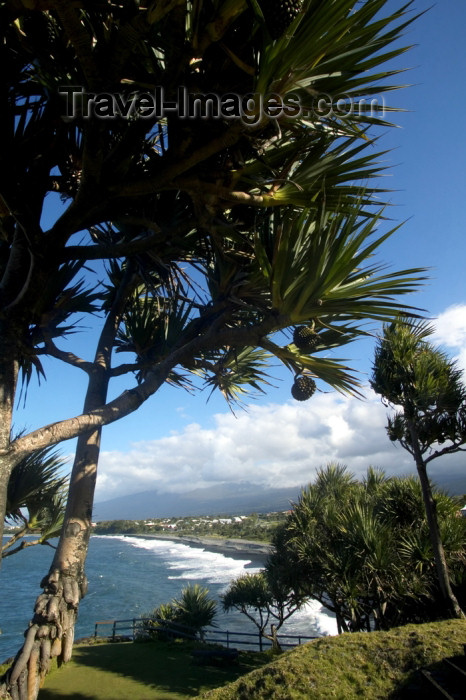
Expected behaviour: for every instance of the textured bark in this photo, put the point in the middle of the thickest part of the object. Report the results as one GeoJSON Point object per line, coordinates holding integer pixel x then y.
{"type": "Point", "coordinates": [51, 630]}
{"type": "Point", "coordinates": [8, 378]}
{"type": "Point", "coordinates": [452, 607]}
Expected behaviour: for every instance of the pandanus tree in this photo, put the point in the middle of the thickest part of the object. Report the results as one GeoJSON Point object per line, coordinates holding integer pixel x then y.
{"type": "Point", "coordinates": [189, 614]}
{"type": "Point", "coordinates": [362, 549]}
{"type": "Point", "coordinates": [426, 389]}
{"type": "Point", "coordinates": [264, 600]}
{"type": "Point", "coordinates": [223, 232]}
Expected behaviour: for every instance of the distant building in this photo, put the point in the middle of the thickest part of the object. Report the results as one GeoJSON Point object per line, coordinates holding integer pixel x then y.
{"type": "Point", "coordinates": [463, 511]}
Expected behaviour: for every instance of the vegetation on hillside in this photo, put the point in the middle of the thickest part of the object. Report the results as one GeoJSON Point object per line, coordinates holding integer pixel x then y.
{"type": "Point", "coordinates": [372, 666]}
{"type": "Point", "coordinates": [259, 527]}
{"type": "Point", "coordinates": [379, 666]}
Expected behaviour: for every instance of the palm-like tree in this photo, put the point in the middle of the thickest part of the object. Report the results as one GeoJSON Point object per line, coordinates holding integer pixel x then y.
{"type": "Point", "coordinates": [362, 549]}
{"type": "Point", "coordinates": [411, 373]}
{"type": "Point", "coordinates": [189, 614]}
{"type": "Point", "coordinates": [173, 190]}
{"type": "Point", "coordinates": [226, 231]}
{"type": "Point", "coordinates": [195, 609]}
{"type": "Point", "coordinates": [263, 598]}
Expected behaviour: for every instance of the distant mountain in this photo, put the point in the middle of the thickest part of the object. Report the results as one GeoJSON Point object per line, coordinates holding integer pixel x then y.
{"type": "Point", "coordinates": [455, 484]}
{"type": "Point", "coordinates": [223, 499]}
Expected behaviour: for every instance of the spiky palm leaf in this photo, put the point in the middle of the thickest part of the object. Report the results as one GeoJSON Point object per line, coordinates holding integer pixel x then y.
{"type": "Point", "coordinates": [36, 476]}
{"type": "Point", "coordinates": [152, 327]}
{"type": "Point", "coordinates": [322, 272]}
{"type": "Point", "coordinates": [322, 267]}
{"type": "Point", "coordinates": [48, 515]}
{"type": "Point", "coordinates": [172, 172]}
{"type": "Point", "coordinates": [35, 500]}
{"type": "Point", "coordinates": [195, 608]}
{"type": "Point", "coordinates": [55, 314]}
{"type": "Point", "coordinates": [236, 371]}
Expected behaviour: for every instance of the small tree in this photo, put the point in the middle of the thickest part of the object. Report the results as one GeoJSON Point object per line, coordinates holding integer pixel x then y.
{"type": "Point", "coordinates": [415, 376]}
{"type": "Point", "coordinates": [192, 612]}
{"type": "Point", "coordinates": [195, 609]}
{"type": "Point", "coordinates": [263, 599]}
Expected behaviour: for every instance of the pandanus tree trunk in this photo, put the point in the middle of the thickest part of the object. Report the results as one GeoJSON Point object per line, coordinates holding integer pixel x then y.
{"type": "Point", "coordinates": [276, 648]}
{"type": "Point", "coordinates": [452, 607]}
{"type": "Point", "coordinates": [8, 379]}
{"type": "Point", "coordinates": [51, 630]}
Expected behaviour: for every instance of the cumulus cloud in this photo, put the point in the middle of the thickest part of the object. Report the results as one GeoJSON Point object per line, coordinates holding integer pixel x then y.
{"type": "Point", "coordinates": [276, 445]}
{"type": "Point", "coordinates": [272, 445]}
{"type": "Point", "coordinates": [450, 331]}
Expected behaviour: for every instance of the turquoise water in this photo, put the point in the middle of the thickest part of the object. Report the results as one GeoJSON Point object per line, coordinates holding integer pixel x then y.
{"type": "Point", "coordinates": [128, 577]}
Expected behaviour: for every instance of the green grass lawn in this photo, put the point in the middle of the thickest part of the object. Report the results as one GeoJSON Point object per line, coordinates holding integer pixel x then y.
{"type": "Point", "coordinates": [155, 670]}
{"type": "Point", "coordinates": [372, 666]}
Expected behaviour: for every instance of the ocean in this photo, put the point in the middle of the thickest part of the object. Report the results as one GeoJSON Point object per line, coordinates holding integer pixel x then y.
{"type": "Point", "coordinates": [129, 577]}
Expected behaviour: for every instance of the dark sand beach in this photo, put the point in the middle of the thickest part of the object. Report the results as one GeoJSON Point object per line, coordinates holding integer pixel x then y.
{"type": "Point", "coordinates": [235, 548]}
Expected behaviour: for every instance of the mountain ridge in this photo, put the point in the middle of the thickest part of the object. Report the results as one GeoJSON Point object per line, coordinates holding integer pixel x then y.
{"type": "Point", "coordinates": [228, 498]}
{"type": "Point", "coordinates": [221, 499]}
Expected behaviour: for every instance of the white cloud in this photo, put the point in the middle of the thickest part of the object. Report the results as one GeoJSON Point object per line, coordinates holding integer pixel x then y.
{"type": "Point", "coordinates": [273, 445]}
{"type": "Point", "coordinates": [450, 331]}
{"type": "Point", "coordinates": [276, 445]}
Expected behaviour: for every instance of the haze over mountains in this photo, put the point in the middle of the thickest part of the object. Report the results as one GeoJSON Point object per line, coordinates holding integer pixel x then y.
{"type": "Point", "coordinates": [223, 499]}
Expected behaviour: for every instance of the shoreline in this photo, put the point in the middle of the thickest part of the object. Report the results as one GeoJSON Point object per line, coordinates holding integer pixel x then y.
{"type": "Point", "coordinates": [235, 548]}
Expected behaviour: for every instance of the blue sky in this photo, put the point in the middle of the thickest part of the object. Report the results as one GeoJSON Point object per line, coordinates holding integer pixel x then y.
{"type": "Point", "coordinates": [178, 442]}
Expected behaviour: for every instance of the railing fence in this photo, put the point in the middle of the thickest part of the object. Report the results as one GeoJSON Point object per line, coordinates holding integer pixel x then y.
{"type": "Point", "coordinates": [130, 628]}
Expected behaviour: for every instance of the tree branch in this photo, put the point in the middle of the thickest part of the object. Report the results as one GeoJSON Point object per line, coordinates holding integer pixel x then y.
{"type": "Point", "coordinates": [68, 357]}
{"type": "Point", "coordinates": [446, 450]}
{"type": "Point", "coordinates": [119, 250]}
{"type": "Point", "coordinates": [216, 29]}
{"type": "Point", "coordinates": [217, 192]}
{"type": "Point", "coordinates": [17, 536]}
{"type": "Point", "coordinates": [166, 176]}
{"type": "Point", "coordinates": [130, 400]}
{"type": "Point", "coordinates": [22, 546]}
